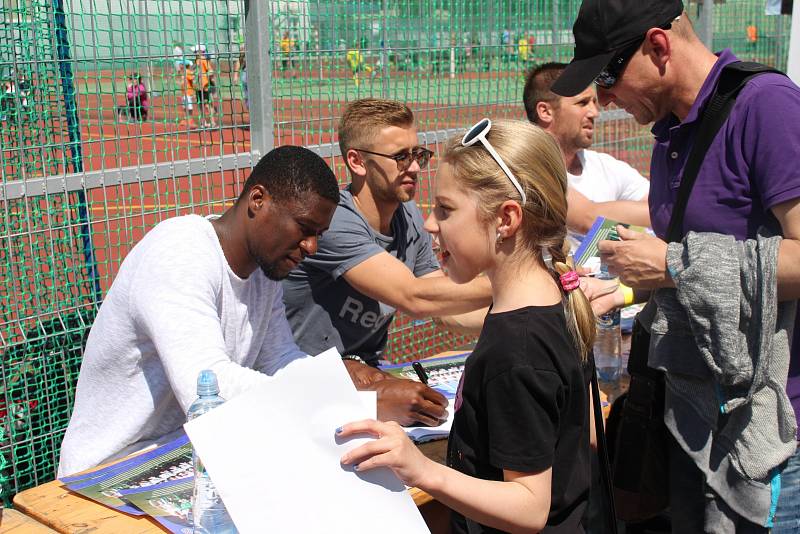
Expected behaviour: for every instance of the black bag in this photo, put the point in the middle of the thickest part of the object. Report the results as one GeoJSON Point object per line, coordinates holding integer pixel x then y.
{"type": "Point", "coordinates": [638, 439]}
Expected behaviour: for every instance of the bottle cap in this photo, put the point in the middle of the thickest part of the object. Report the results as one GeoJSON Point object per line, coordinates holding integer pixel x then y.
{"type": "Point", "coordinates": [207, 383]}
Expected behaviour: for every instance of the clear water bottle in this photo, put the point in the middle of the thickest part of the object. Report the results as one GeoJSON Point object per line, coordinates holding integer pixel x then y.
{"type": "Point", "coordinates": [209, 515]}
{"type": "Point", "coordinates": [608, 342]}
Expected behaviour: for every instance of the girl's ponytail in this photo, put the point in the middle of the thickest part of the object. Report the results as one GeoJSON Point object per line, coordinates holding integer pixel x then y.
{"type": "Point", "coordinates": [580, 317]}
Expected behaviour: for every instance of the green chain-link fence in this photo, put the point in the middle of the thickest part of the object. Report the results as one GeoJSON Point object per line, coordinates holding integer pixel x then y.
{"type": "Point", "coordinates": [86, 172]}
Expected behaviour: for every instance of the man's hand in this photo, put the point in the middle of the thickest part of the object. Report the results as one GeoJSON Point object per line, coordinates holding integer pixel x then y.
{"type": "Point", "coordinates": [363, 375]}
{"type": "Point", "coordinates": [408, 402]}
{"type": "Point", "coordinates": [640, 260]}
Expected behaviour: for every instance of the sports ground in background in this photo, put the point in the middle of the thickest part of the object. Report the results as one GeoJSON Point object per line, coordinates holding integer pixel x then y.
{"type": "Point", "coordinates": [120, 214]}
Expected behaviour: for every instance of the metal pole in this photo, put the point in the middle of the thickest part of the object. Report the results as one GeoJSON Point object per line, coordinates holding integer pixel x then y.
{"type": "Point", "coordinates": [74, 132]}
{"type": "Point", "coordinates": [258, 55]}
{"type": "Point", "coordinates": [793, 62]}
{"type": "Point", "coordinates": [384, 52]}
{"type": "Point", "coordinates": [555, 30]}
{"type": "Point", "coordinates": [706, 24]}
{"type": "Point", "coordinates": [779, 42]}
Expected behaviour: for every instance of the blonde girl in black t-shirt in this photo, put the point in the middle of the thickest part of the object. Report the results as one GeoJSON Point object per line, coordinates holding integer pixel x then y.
{"type": "Point", "coordinates": [518, 455]}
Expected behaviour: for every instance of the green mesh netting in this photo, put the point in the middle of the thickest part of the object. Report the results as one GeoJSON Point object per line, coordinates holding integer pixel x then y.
{"type": "Point", "coordinates": [86, 174]}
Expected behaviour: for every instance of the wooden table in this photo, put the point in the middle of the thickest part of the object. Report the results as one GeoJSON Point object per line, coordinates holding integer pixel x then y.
{"type": "Point", "coordinates": [14, 522]}
{"type": "Point", "coordinates": [52, 504]}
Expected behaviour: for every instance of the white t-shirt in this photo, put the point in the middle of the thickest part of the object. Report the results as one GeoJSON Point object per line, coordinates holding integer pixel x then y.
{"type": "Point", "coordinates": [174, 309]}
{"type": "Point", "coordinates": [605, 178]}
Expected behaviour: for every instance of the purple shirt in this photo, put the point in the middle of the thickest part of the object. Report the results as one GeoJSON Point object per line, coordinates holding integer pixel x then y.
{"type": "Point", "coordinates": [752, 165]}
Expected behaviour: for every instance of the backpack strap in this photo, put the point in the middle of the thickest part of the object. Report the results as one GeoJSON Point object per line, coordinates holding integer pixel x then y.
{"type": "Point", "coordinates": [602, 456]}
{"type": "Point", "coordinates": [733, 77]}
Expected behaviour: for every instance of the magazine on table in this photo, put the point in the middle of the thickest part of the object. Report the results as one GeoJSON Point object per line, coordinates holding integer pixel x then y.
{"type": "Point", "coordinates": [171, 461]}
{"type": "Point", "coordinates": [169, 503]}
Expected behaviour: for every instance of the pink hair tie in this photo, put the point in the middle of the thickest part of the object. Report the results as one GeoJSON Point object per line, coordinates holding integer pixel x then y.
{"type": "Point", "coordinates": [570, 281]}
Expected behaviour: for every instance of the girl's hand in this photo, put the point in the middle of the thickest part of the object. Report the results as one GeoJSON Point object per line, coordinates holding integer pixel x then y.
{"type": "Point", "coordinates": [392, 449]}
{"type": "Point", "coordinates": [603, 295]}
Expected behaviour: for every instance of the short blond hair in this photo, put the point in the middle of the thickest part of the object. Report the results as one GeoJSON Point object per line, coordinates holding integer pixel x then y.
{"type": "Point", "coordinates": [364, 118]}
{"type": "Point", "coordinates": [534, 158]}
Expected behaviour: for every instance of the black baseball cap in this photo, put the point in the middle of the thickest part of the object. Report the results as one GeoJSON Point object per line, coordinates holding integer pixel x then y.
{"type": "Point", "coordinates": [603, 29]}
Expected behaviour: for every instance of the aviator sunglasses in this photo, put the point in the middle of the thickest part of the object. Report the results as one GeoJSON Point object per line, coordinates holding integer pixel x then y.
{"type": "Point", "coordinates": [478, 134]}
{"type": "Point", "coordinates": [404, 159]}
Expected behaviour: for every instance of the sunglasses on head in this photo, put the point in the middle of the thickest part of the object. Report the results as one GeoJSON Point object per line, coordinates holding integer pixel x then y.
{"type": "Point", "coordinates": [612, 72]}
{"type": "Point", "coordinates": [404, 159]}
{"type": "Point", "coordinates": [478, 134]}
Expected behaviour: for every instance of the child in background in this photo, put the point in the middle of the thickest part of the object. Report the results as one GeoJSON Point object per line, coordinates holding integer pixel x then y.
{"type": "Point", "coordinates": [137, 100]}
{"type": "Point", "coordinates": [179, 60]}
{"type": "Point", "coordinates": [355, 59]}
{"type": "Point", "coordinates": [8, 104]}
{"type": "Point", "coordinates": [518, 453]}
{"type": "Point", "coordinates": [240, 75]}
{"type": "Point", "coordinates": [205, 85]}
{"type": "Point", "coordinates": [186, 84]}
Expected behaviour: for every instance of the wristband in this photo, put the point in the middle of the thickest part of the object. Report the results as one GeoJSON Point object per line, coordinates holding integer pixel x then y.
{"type": "Point", "coordinates": [354, 357]}
{"type": "Point", "coordinates": [627, 295]}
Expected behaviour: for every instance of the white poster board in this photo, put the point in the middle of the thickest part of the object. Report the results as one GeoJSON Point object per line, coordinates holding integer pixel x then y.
{"type": "Point", "coordinates": [273, 454]}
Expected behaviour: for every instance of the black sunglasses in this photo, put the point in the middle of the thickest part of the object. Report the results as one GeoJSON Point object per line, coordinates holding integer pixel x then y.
{"type": "Point", "coordinates": [613, 71]}
{"type": "Point", "coordinates": [611, 74]}
{"type": "Point", "coordinates": [404, 159]}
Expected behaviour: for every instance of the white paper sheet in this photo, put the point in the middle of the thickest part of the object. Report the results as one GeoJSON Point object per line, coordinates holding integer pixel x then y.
{"type": "Point", "coordinates": [370, 401]}
{"type": "Point", "coordinates": [273, 455]}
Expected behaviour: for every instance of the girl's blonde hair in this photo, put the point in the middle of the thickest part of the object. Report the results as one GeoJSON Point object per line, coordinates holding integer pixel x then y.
{"type": "Point", "coordinates": [534, 158]}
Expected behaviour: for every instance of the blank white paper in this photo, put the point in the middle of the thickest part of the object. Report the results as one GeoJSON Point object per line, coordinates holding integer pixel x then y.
{"type": "Point", "coordinates": [274, 456]}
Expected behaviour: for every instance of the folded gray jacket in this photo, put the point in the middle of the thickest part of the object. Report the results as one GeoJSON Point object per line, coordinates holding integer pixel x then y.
{"type": "Point", "coordinates": [722, 339]}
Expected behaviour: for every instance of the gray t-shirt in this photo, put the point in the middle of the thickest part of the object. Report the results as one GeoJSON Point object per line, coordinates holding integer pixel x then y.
{"type": "Point", "coordinates": [323, 309]}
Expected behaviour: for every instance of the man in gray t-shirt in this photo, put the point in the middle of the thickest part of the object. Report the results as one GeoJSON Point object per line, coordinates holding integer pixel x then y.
{"type": "Point", "coordinates": [324, 309]}
{"type": "Point", "coordinates": [375, 259]}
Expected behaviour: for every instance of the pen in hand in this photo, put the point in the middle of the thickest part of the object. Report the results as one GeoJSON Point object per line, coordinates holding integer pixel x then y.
{"type": "Point", "coordinates": [423, 376]}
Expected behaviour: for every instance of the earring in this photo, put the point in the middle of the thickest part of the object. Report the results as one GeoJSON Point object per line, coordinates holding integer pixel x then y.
{"type": "Point", "coordinates": [499, 238]}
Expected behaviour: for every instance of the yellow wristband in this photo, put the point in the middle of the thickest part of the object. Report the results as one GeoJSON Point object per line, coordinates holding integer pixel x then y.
{"type": "Point", "coordinates": [627, 295]}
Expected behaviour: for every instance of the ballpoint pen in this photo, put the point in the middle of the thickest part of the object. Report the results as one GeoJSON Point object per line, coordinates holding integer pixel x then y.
{"type": "Point", "coordinates": [423, 376]}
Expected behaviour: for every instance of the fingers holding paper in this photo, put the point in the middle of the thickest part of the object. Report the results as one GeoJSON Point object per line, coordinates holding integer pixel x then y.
{"type": "Point", "coordinates": [638, 259]}
{"type": "Point", "coordinates": [392, 449]}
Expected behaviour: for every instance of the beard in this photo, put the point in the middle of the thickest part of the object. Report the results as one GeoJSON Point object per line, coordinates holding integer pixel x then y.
{"type": "Point", "coordinates": [404, 196]}
{"type": "Point", "coordinates": [272, 271]}
{"type": "Point", "coordinates": [580, 141]}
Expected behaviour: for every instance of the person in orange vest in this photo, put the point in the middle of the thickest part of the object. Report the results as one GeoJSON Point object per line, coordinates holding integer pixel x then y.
{"type": "Point", "coordinates": [752, 37]}
{"type": "Point", "coordinates": [204, 86]}
{"type": "Point", "coordinates": [186, 84]}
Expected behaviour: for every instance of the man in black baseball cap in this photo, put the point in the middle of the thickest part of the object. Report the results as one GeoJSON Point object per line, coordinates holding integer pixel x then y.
{"type": "Point", "coordinates": [645, 57]}
{"type": "Point", "coordinates": [607, 33]}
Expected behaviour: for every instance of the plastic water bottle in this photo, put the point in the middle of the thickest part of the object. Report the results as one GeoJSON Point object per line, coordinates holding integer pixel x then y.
{"type": "Point", "coordinates": [209, 515]}
{"type": "Point", "coordinates": [608, 342]}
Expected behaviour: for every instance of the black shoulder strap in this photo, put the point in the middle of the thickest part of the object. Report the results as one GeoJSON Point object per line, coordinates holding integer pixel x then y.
{"type": "Point", "coordinates": [734, 76]}
{"type": "Point", "coordinates": [602, 456]}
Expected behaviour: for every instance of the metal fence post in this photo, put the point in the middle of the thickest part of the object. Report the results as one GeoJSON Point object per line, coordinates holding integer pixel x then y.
{"type": "Point", "coordinates": [555, 30]}
{"type": "Point", "coordinates": [706, 24]}
{"type": "Point", "coordinates": [793, 62]}
{"type": "Point", "coordinates": [384, 51]}
{"type": "Point", "coordinates": [258, 43]}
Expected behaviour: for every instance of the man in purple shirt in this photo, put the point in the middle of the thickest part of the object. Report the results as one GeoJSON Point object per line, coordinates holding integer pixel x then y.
{"type": "Point", "coordinates": [645, 57]}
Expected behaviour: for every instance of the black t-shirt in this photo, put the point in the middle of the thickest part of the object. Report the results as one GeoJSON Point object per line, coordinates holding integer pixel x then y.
{"type": "Point", "coordinates": [523, 405]}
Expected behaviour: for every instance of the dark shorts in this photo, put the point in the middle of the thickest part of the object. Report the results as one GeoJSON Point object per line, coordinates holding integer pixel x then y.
{"type": "Point", "coordinates": [203, 96]}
